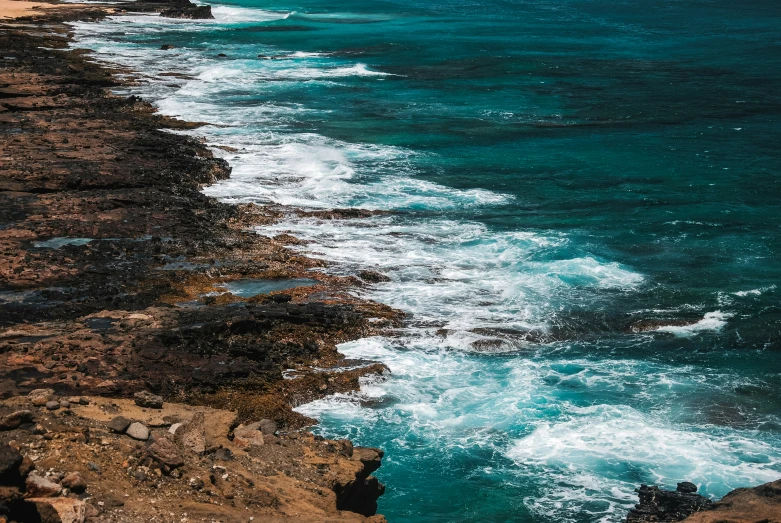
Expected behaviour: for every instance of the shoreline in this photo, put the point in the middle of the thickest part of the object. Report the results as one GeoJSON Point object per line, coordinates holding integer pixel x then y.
{"type": "Point", "coordinates": [211, 249]}
{"type": "Point", "coordinates": [114, 280]}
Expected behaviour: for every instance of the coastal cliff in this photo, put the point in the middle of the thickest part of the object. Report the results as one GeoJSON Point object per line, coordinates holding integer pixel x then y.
{"type": "Point", "coordinates": [114, 276]}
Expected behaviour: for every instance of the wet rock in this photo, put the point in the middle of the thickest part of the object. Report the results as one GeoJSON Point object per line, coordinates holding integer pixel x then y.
{"type": "Point", "coordinates": [164, 451]}
{"type": "Point", "coordinates": [74, 482]}
{"type": "Point", "coordinates": [119, 424]}
{"type": "Point", "coordinates": [39, 397]}
{"type": "Point", "coordinates": [192, 435]}
{"type": "Point", "coordinates": [62, 510]}
{"type": "Point", "coordinates": [167, 47]}
{"type": "Point", "coordinates": [192, 12]}
{"type": "Point", "coordinates": [15, 419]}
{"type": "Point", "coordinates": [686, 487]}
{"type": "Point", "coordinates": [665, 506]}
{"type": "Point", "coordinates": [246, 436]}
{"type": "Point", "coordinates": [147, 399]}
{"type": "Point", "coordinates": [52, 405]}
{"type": "Point", "coordinates": [372, 276]}
{"type": "Point", "coordinates": [41, 487]}
{"type": "Point", "coordinates": [138, 431]}
{"type": "Point", "coordinates": [268, 426]}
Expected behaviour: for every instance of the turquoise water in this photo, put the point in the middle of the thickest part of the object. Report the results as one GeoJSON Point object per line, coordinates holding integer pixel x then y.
{"type": "Point", "coordinates": [585, 229]}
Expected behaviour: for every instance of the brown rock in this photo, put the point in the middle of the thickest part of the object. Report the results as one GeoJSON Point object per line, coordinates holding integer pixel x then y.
{"type": "Point", "coordinates": [10, 460]}
{"type": "Point", "coordinates": [13, 420]}
{"type": "Point", "coordinates": [68, 510]}
{"type": "Point", "coordinates": [164, 451]}
{"type": "Point", "coordinates": [40, 397]}
{"type": "Point", "coordinates": [192, 435]}
{"type": "Point", "coordinates": [147, 399]}
{"type": "Point", "coordinates": [37, 486]}
{"type": "Point", "coordinates": [119, 424]}
{"type": "Point", "coordinates": [246, 436]}
{"type": "Point", "coordinates": [74, 482]}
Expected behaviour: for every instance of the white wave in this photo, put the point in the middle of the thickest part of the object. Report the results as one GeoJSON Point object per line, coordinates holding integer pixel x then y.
{"type": "Point", "coordinates": [755, 292]}
{"type": "Point", "coordinates": [712, 321]}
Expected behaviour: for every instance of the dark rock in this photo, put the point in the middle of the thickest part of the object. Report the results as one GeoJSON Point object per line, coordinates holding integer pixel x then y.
{"type": "Point", "coordinates": [52, 405]}
{"type": "Point", "coordinates": [147, 399]}
{"type": "Point", "coordinates": [119, 424]}
{"type": "Point", "coordinates": [10, 460]}
{"type": "Point", "coordinates": [13, 420]}
{"type": "Point", "coordinates": [686, 487]}
{"type": "Point", "coordinates": [166, 47]}
{"type": "Point", "coordinates": [74, 482]}
{"type": "Point", "coordinates": [191, 12]}
{"type": "Point", "coordinates": [222, 55]}
{"type": "Point", "coordinates": [666, 506]}
{"type": "Point", "coordinates": [372, 276]}
{"type": "Point", "coordinates": [94, 467]}
{"type": "Point", "coordinates": [83, 401]}
{"type": "Point", "coordinates": [164, 451]}
{"type": "Point", "coordinates": [223, 454]}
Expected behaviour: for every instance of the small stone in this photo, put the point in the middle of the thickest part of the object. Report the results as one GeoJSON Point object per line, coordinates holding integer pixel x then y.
{"type": "Point", "coordinates": [166, 47]}
{"type": "Point", "coordinates": [74, 482]}
{"type": "Point", "coordinates": [13, 420]}
{"type": "Point", "coordinates": [40, 487]}
{"type": "Point", "coordinates": [686, 487]}
{"type": "Point", "coordinates": [84, 401]}
{"type": "Point", "coordinates": [94, 467]}
{"type": "Point", "coordinates": [10, 460]}
{"type": "Point", "coordinates": [52, 405]}
{"type": "Point", "coordinates": [65, 404]}
{"type": "Point", "coordinates": [173, 428]}
{"type": "Point", "coordinates": [138, 431]}
{"type": "Point", "coordinates": [268, 426]}
{"type": "Point", "coordinates": [40, 397]}
{"type": "Point", "coordinates": [147, 399]}
{"type": "Point", "coordinates": [192, 435]}
{"type": "Point", "coordinates": [119, 424]}
{"type": "Point", "coordinates": [68, 510]}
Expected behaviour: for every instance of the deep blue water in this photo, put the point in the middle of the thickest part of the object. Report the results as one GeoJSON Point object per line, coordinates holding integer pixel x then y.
{"type": "Point", "coordinates": [586, 229]}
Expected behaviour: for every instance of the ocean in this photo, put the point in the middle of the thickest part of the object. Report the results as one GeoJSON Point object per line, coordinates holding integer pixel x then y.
{"type": "Point", "coordinates": [583, 226]}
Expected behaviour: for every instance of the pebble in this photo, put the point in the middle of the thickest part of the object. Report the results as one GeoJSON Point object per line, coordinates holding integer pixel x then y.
{"type": "Point", "coordinates": [74, 482]}
{"type": "Point", "coordinates": [65, 404]}
{"type": "Point", "coordinates": [52, 405]}
{"type": "Point", "coordinates": [119, 424]}
{"type": "Point", "coordinates": [147, 399]}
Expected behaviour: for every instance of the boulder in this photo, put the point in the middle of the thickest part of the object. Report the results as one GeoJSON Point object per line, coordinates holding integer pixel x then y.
{"type": "Point", "coordinates": [192, 435]}
{"type": "Point", "coordinates": [119, 424]}
{"type": "Point", "coordinates": [147, 399]}
{"type": "Point", "coordinates": [74, 482]}
{"type": "Point", "coordinates": [15, 419]}
{"type": "Point", "coordinates": [666, 506]}
{"type": "Point", "coordinates": [164, 451]}
{"type": "Point", "coordinates": [10, 461]}
{"type": "Point", "coordinates": [246, 436]}
{"type": "Point", "coordinates": [38, 486]}
{"type": "Point", "coordinates": [268, 427]}
{"type": "Point", "coordinates": [138, 431]}
{"type": "Point", "coordinates": [39, 397]}
{"type": "Point", "coordinates": [68, 510]}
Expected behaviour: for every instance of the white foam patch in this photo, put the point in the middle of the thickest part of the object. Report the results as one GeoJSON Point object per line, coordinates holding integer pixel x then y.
{"type": "Point", "coordinates": [712, 321]}
{"type": "Point", "coordinates": [755, 292]}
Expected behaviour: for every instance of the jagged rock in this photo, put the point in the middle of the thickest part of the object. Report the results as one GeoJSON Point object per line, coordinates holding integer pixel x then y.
{"type": "Point", "coordinates": [13, 420]}
{"type": "Point", "coordinates": [686, 487]}
{"type": "Point", "coordinates": [192, 12]}
{"type": "Point", "coordinates": [164, 451]}
{"type": "Point", "coordinates": [39, 397]}
{"type": "Point", "coordinates": [74, 482]}
{"type": "Point", "coordinates": [268, 427]}
{"type": "Point", "coordinates": [119, 424]}
{"type": "Point", "coordinates": [760, 504]}
{"type": "Point", "coordinates": [246, 436]}
{"type": "Point", "coordinates": [41, 487]}
{"type": "Point", "coordinates": [10, 460]}
{"type": "Point", "coordinates": [147, 399]}
{"type": "Point", "coordinates": [67, 510]}
{"type": "Point", "coordinates": [138, 431]}
{"type": "Point", "coordinates": [192, 435]}
{"type": "Point", "coordinates": [52, 405]}
{"type": "Point", "coordinates": [372, 276]}
{"type": "Point", "coordinates": [666, 506]}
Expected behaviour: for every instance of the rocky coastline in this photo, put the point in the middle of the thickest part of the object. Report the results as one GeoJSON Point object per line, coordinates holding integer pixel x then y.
{"type": "Point", "coordinates": [133, 387]}
{"type": "Point", "coordinates": [113, 283]}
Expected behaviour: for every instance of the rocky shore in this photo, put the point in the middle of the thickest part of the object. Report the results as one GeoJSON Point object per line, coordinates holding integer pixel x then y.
{"type": "Point", "coordinates": [113, 281]}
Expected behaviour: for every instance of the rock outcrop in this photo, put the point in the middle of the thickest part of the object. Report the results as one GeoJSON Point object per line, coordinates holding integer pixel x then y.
{"type": "Point", "coordinates": [666, 506]}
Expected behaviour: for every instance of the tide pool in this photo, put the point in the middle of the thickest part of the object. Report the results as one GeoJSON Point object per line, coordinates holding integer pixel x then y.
{"type": "Point", "coordinates": [584, 229]}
